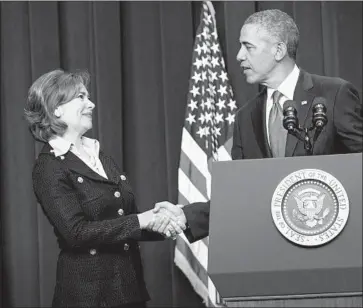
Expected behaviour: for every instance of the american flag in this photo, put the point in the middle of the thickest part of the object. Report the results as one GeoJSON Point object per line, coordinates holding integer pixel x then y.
{"type": "Point", "coordinates": [206, 137]}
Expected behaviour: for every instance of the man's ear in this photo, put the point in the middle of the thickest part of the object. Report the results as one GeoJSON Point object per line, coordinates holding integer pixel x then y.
{"type": "Point", "coordinates": [281, 51]}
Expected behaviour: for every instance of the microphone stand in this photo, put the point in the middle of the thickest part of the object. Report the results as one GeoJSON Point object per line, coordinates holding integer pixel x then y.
{"type": "Point", "coordinates": [302, 133]}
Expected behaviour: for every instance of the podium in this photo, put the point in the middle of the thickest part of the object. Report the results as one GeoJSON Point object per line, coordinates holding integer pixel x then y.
{"type": "Point", "coordinates": [257, 257]}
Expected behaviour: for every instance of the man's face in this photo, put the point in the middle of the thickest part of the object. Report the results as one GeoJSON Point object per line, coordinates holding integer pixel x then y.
{"type": "Point", "coordinates": [257, 54]}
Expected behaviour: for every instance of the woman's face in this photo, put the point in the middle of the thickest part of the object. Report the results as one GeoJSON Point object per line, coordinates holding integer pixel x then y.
{"type": "Point", "coordinates": [77, 113]}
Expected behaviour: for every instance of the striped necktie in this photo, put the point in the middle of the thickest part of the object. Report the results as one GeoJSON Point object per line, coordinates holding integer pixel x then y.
{"type": "Point", "coordinates": [277, 133]}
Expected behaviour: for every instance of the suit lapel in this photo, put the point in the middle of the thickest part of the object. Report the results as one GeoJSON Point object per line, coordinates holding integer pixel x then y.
{"type": "Point", "coordinates": [302, 94]}
{"type": "Point", "coordinates": [258, 115]}
{"type": "Point", "coordinates": [110, 168]}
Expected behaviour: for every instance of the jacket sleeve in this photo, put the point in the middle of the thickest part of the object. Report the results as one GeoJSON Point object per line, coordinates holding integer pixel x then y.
{"type": "Point", "coordinates": [60, 204]}
{"type": "Point", "coordinates": [197, 215]}
{"type": "Point", "coordinates": [348, 119]}
{"type": "Point", "coordinates": [237, 150]}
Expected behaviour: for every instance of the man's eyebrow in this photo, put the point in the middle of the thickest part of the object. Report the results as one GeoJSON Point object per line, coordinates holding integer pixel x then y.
{"type": "Point", "coordinates": [246, 43]}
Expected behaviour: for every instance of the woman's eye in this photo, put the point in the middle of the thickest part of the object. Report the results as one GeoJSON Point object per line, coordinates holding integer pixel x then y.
{"type": "Point", "coordinates": [81, 96]}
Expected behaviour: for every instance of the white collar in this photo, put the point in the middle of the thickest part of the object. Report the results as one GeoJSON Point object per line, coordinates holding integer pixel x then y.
{"type": "Point", "coordinates": [287, 87]}
{"type": "Point", "coordinates": [61, 146]}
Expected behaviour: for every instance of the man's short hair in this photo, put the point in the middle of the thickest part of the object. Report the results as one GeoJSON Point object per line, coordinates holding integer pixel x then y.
{"type": "Point", "coordinates": [279, 25]}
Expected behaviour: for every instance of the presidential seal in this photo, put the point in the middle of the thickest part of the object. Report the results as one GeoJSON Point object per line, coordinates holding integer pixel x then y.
{"type": "Point", "coordinates": [310, 207]}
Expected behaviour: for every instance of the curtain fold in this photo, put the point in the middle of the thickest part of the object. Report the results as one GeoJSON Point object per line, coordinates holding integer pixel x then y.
{"type": "Point", "coordinates": [139, 56]}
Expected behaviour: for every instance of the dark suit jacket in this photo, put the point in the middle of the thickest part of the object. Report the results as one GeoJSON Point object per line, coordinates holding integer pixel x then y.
{"type": "Point", "coordinates": [342, 134]}
{"type": "Point", "coordinates": [95, 221]}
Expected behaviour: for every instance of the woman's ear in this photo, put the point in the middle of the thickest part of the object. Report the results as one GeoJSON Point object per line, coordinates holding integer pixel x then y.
{"type": "Point", "coordinates": [281, 50]}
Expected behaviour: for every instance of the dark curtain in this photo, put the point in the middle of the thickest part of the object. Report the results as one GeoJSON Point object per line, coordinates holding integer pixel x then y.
{"type": "Point", "coordinates": [139, 56]}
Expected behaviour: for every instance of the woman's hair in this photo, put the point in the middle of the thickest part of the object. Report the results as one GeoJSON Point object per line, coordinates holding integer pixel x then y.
{"type": "Point", "coordinates": [49, 91]}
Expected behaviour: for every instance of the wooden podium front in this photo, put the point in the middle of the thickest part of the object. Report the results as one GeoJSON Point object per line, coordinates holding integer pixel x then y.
{"type": "Point", "coordinates": [252, 263]}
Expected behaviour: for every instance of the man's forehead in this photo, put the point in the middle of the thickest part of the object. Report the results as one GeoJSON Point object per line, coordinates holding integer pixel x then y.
{"type": "Point", "coordinates": [248, 30]}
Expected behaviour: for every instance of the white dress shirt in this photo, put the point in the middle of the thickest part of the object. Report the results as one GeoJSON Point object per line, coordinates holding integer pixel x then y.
{"type": "Point", "coordinates": [287, 89]}
{"type": "Point", "coordinates": [91, 146]}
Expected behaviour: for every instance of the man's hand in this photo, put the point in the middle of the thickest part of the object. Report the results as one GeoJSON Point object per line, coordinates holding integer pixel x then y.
{"type": "Point", "coordinates": [177, 219]}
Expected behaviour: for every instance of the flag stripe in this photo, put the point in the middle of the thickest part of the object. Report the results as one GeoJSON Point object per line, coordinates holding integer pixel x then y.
{"type": "Point", "coordinates": [184, 264]}
{"type": "Point", "coordinates": [181, 199]}
{"type": "Point", "coordinates": [223, 155]}
{"type": "Point", "coordinates": [197, 267]}
{"type": "Point", "coordinates": [194, 175]}
{"type": "Point", "coordinates": [195, 153]}
{"type": "Point", "coordinates": [199, 249]}
{"type": "Point", "coordinates": [187, 189]}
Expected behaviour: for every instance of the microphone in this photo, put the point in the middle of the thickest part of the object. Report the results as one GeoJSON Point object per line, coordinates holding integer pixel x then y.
{"type": "Point", "coordinates": [290, 120]}
{"type": "Point", "coordinates": [319, 115]}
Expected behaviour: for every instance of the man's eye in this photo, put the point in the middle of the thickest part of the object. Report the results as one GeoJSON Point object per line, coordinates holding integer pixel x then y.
{"type": "Point", "coordinates": [81, 96]}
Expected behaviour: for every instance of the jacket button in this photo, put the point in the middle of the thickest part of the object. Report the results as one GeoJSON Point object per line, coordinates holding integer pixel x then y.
{"type": "Point", "coordinates": [80, 179]}
{"type": "Point", "coordinates": [123, 177]}
{"type": "Point", "coordinates": [62, 157]}
{"type": "Point", "coordinates": [93, 252]}
{"type": "Point", "coordinates": [117, 194]}
{"type": "Point", "coordinates": [120, 212]}
{"type": "Point", "coordinates": [126, 247]}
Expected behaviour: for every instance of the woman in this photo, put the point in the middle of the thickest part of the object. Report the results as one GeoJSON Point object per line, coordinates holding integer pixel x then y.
{"type": "Point", "coordinates": [86, 198]}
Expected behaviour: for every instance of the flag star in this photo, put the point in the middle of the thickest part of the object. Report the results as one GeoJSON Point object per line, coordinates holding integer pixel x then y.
{"type": "Point", "coordinates": [204, 75]}
{"type": "Point", "coordinates": [205, 61]}
{"type": "Point", "coordinates": [230, 118]}
{"type": "Point", "coordinates": [202, 104]}
{"type": "Point", "coordinates": [200, 132]}
{"type": "Point", "coordinates": [208, 19]}
{"type": "Point", "coordinates": [214, 33]}
{"type": "Point", "coordinates": [192, 105]}
{"type": "Point", "coordinates": [217, 131]}
{"type": "Point", "coordinates": [208, 117]}
{"type": "Point", "coordinates": [222, 90]}
{"type": "Point", "coordinates": [190, 118]}
{"type": "Point", "coordinates": [215, 62]}
{"type": "Point", "coordinates": [211, 90]}
{"type": "Point", "coordinates": [198, 63]}
{"type": "Point", "coordinates": [205, 48]}
{"type": "Point", "coordinates": [219, 118]}
{"type": "Point", "coordinates": [223, 76]}
{"type": "Point", "coordinates": [202, 118]}
{"type": "Point", "coordinates": [222, 62]}
{"type": "Point", "coordinates": [232, 104]}
{"type": "Point", "coordinates": [195, 91]}
{"type": "Point", "coordinates": [208, 103]}
{"type": "Point", "coordinates": [215, 48]}
{"type": "Point", "coordinates": [205, 33]}
{"type": "Point", "coordinates": [221, 104]}
{"type": "Point", "coordinates": [206, 131]}
{"type": "Point", "coordinates": [213, 75]}
{"type": "Point", "coordinates": [198, 49]}
{"type": "Point", "coordinates": [196, 77]}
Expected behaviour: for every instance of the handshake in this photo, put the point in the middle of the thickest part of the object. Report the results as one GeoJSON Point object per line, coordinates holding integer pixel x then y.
{"type": "Point", "coordinates": [165, 218]}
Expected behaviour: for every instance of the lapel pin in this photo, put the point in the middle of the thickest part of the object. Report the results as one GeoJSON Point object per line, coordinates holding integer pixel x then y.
{"type": "Point", "coordinates": [304, 102]}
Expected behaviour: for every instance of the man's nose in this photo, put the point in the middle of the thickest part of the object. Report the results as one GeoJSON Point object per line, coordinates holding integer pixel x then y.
{"type": "Point", "coordinates": [241, 55]}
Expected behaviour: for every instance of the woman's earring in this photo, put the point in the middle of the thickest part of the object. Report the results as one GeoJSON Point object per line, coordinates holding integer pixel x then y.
{"type": "Point", "coordinates": [57, 113]}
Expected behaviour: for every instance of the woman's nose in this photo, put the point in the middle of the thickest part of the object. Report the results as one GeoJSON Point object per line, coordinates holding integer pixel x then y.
{"type": "Point", "coordinates": [91, 105]}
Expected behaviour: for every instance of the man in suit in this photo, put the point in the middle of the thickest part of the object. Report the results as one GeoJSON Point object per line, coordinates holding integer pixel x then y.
{"type": "Point", "coordinates": [269, 41]}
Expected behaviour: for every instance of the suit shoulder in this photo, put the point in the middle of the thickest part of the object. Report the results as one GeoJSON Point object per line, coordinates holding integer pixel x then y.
{"type": "Point", "coordinates": [46, 164]}
{"type": "Point", "coordinates": [327, 81]}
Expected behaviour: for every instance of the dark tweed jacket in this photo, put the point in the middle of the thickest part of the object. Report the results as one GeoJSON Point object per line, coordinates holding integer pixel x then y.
{"type": "Point", "coordinates": [95, 221]}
